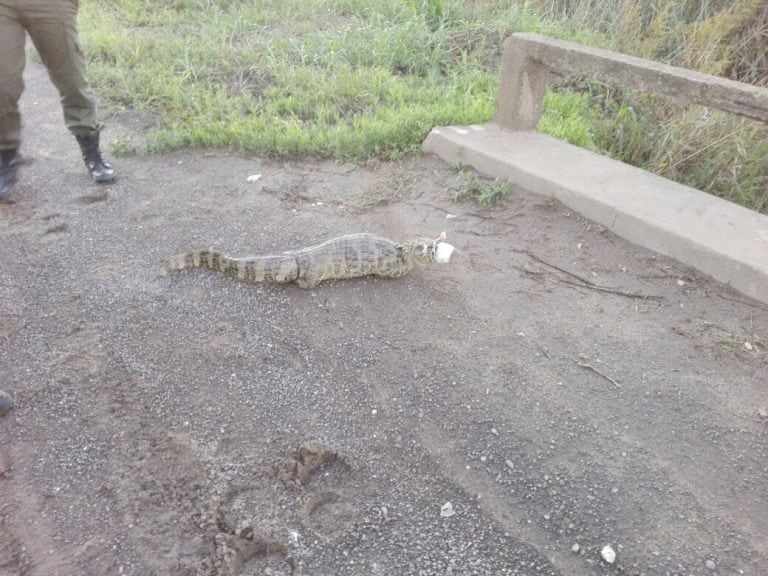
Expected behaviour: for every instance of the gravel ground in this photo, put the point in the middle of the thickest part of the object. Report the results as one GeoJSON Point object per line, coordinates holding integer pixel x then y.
{"type": "Point", "coordinates": [513, 412]}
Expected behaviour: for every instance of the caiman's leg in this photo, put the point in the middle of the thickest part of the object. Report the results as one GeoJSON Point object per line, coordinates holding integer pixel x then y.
{"type": "Point", "coordinates": [307, 282]}
{"type": "Point", "coordinates": [393, 270]}
{"type": "Point", "coordinates": [391, 274]}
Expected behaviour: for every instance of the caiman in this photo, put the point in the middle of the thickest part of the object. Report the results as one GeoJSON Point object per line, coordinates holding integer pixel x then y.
{"type": "Point", "coordinates": [349, 256]}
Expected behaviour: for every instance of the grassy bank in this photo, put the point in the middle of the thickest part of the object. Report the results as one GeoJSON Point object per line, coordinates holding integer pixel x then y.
{"type": "Point", "coordinates": [356, 79]}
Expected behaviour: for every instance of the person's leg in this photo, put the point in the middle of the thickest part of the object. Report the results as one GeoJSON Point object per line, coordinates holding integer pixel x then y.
{"type": "Point", "coordinates": [12, 60]}
{"type": "Point", "coordinates": [52, 25]}
{"type": "Point", "coordinates": [12, 38]}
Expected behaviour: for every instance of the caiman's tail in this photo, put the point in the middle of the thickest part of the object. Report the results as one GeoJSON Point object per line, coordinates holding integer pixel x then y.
{"type": "Point", "coordinates": [205, 258]}
{"type": "Point", "coordinates": [282, 268]}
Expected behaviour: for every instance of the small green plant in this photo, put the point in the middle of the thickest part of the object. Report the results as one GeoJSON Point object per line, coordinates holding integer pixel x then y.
{"type": "Point", "coordinates": [123, 146]}
{"type": "Point", "coordinates": [486, 192]}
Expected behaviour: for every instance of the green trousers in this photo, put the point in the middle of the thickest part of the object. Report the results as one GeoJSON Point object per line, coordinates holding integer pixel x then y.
{"type": "Point", "coordinates": [52, 26]}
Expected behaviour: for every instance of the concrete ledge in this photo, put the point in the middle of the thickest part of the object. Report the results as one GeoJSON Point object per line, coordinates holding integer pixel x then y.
{"type": "Point", "coordinates": [719, 238]}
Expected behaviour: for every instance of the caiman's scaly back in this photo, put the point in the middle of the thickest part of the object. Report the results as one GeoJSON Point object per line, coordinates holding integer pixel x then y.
{"type": "Point", "coordinates": [349, 256]}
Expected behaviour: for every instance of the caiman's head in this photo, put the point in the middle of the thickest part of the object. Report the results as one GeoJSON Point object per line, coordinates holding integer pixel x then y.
{"type": "Point", "coordinates": [427, 250]}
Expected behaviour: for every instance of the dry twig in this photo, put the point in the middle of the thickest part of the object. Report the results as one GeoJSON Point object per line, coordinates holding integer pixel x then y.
{"type": "Point", "coordinates": [586, 283]}
{"type": "Point", "coordinates": [596, 371]}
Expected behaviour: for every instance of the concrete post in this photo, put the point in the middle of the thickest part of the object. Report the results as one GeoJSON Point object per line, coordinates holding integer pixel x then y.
{"type": "Point", "coordinates": [522, 87]}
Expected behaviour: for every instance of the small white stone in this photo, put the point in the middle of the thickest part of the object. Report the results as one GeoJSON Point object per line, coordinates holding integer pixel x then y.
{"type": "Point", "coordinates": [710, 565]}
{"type": "Point", "coordinates": [575, 548]}
{"type": "Point", "coordinates": [446, 510]}
{"type": "Point", "coordinates": [608, 554]}
{"type": "Point", "coordinates": [253, 177]}
{"type": "Point", "coordinates": [510, 464]}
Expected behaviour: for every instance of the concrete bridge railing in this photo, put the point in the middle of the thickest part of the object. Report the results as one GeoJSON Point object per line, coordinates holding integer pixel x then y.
{"type": "Point", "coordinates": [529, 58]}
{"type": "Point", "coordinates": [722, 239]}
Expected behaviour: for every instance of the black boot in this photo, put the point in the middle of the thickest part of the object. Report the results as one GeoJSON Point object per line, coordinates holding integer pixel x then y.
{"type": "Point", "coordinates": [9, 168]}
{"type": "Point", "coordinates": [99, 169]}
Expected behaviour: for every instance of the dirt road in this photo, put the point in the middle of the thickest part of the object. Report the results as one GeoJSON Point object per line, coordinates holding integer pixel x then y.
{"type": "Point", "coordinates": [511, 413]}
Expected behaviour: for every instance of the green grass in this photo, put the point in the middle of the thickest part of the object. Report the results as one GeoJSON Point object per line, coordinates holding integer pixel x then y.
{"type": "Point", "coordinates": [347, 79]}
{"type": "Point", "coordinates": [486, 192]}
{"type": "Point", "coordinates": [361, 79]}
{"type": "Point", "coordinates": [566, 115]}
